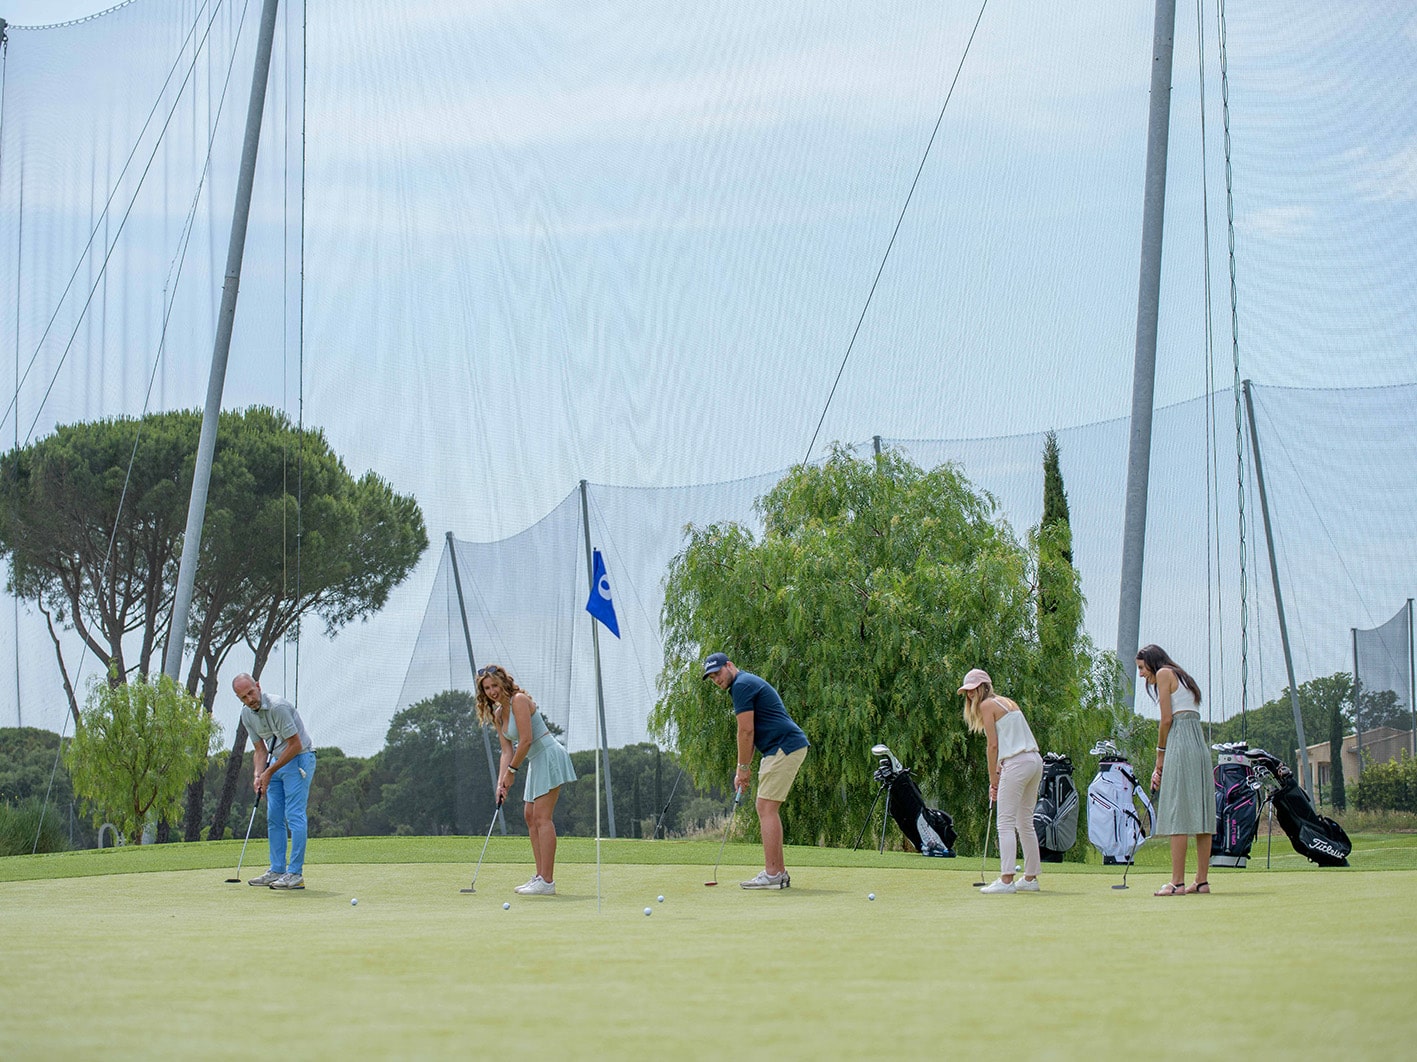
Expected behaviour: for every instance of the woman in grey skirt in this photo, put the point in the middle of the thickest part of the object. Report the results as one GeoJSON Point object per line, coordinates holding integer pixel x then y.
{"type": "Point", "coordinates": [1186, 807]}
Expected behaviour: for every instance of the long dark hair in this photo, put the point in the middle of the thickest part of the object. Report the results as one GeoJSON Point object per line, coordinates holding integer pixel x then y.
{"type": "Point", "coordinates": [1155, 658]}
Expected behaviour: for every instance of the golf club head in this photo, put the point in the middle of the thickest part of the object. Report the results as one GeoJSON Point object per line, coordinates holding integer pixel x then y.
{"type": "Point", "coordinates": [467, 890]}
{"type": "Point", "coordinates": [1120, 887]}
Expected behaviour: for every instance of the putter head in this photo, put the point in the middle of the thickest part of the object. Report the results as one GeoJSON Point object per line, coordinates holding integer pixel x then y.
{"type": "Point", "coordinates": [467, 890]}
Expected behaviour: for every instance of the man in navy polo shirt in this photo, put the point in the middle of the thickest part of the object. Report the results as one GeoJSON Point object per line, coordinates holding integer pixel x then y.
{"type": "Point", "coordinates": [763, 723]}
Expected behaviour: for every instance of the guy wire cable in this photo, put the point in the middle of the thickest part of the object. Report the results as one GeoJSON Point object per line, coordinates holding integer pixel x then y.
{"type": "Point", "coordinates": [176, 273]}
{"type": "Point", "coordinates": [894, 232]}
{"type": "Point", "coordinates": [103, 214]}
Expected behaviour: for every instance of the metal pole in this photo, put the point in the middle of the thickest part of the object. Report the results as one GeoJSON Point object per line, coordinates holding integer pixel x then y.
{"type": "Point", "coordinates": [472, 663]}
{"type": "Point", "coordinates": [599, 688]}
{"type": "Point", "coordinates": [1144, 371]}
{"type": "Point", "coordinates": [1307, 776]}
{"type": "Point", "coordinates": [1411, 678]}
{"type": "Point", "coordinates": [1357, 704]}
{"type": "Point", "coordinates": [206, 445]}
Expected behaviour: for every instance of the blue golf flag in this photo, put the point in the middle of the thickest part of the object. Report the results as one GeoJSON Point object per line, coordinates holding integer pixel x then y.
{"type": "Point", "coordinates": [601, 604]}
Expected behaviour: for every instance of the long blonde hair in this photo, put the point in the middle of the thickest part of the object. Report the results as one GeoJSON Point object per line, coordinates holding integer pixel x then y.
{"type": "Point", "coordinates": [486, 713]}
{"type": "Point", "coordinates": [974, 703]}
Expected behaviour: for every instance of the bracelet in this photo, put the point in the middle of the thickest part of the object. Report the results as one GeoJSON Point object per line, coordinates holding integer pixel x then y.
{"type": "Point", "coordinates": [1160, 748]}
{"type": "Point", "coordinates": [744, 767]}
{"type": "Point", "coordinates": [512, 767]}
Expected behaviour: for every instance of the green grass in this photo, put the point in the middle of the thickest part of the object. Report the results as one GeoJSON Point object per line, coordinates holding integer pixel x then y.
{"type": "Point", "coordinates": [147, 953]}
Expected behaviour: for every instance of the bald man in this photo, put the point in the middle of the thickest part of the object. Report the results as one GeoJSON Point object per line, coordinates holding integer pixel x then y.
{"type": "Point", "coordinates": [285, 764]}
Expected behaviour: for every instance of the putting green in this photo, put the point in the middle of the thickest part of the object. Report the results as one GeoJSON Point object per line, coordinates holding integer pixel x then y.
{"type": "Point", "coordinates": [165, 961]}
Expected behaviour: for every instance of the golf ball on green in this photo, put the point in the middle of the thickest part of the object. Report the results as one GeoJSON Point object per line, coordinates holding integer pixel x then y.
{"type": "Point", "coordinates": [506, 907]}
{"type": "Point", "coordinates": [647, 912]}
{"type": "Point", "coordinates": [661, 899]}
{"type": "Point", "coordinates": [354, 901]}
{"type": "Point", "coordinates": [870, 896]}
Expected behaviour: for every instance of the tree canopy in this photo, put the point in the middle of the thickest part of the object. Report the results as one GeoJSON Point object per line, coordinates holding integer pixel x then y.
{"type": "Point", "coordinates": [871, 589]}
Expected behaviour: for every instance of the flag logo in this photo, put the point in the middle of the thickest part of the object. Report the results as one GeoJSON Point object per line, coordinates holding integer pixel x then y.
{"type": "Point", "coordinates": [601, 603]}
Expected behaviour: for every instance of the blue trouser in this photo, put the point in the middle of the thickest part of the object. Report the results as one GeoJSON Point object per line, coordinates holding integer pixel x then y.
{"type": "Point", "coordinates": [286, 797]}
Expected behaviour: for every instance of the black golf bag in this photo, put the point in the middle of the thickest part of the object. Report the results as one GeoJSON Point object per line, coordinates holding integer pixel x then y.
{"type": "Point", "coordinates": [1237, 807]}
{"type": "Point", "coordinates": [1055, 817]}
{"type": "Point", "coordinates": [930, 830]}
{"type": "Point", "coordinates": [1114, 826]}
{"type": "Point", "coordinates": [1315, 837]}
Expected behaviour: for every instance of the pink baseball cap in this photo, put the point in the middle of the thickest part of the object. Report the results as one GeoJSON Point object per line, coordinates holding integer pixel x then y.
{"type": "Point", "coordinates": [976, 678]}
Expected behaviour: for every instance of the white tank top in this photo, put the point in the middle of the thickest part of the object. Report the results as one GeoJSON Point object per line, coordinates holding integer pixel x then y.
{"type": "Point", "coordinates": [1183, 700]}
{"type": "Point", "coordinates": [1014, 735]}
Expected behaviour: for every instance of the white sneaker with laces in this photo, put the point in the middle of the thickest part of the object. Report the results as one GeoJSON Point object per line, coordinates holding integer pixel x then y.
{"type": "Point", "coordinates": [538, 887]}
{"type": "Point", "coordinates": [289, 881]}
{"type": "Point", "coordinates": [524, 886]}
{"type": "Point", "coordinates": [764, 880]}
{"type": "Point", "coordinates": [1024, 885]}
{"type": "Point", "coordinates": [999, 886]}
{"type": "Point", "coordinates": [267, 878]}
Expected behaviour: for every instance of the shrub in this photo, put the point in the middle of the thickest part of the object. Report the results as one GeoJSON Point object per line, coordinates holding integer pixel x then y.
{"type": "Point", "coordinates": [20, 821]}
{"type": "Point", "coordinates": [1390, 786]}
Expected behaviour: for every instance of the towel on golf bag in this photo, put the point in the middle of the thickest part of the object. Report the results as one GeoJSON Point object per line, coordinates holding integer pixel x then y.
{"type": "Point", "coordinates": [1237, 810]}
{"type": "Point", "coordinates": [1055, 817]}
{"type": "Point", "coordinates": [930, 830]}
{"type": "Point", "coordinates": [1113, 825]}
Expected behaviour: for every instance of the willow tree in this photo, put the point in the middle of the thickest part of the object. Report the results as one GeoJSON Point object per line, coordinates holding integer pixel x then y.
{"type": "Point", "coordinates": [871, 588]}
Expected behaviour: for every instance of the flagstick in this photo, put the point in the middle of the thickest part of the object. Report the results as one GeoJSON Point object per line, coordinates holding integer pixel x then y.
{"type": "Point", "coordinates": [604, 612]}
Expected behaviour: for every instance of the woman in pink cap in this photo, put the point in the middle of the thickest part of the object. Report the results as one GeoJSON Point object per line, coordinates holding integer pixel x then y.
{"type": "Point", "coordinates": [1015, 772]}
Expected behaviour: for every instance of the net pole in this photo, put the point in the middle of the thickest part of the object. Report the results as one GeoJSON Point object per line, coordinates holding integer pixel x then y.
{"type": "Point", "coordinates": [1411, 679]}
{"type": "Point", "coordinates": [1308, 778]}
{"type": "Point", "coordinates": [472, 663]}
{"type": "Point", "coordinates": [1357, 703]}
{"type": "Point", "coordinates": [226, 322]}
{"type": "Point", "coordinates": [1144, 370]}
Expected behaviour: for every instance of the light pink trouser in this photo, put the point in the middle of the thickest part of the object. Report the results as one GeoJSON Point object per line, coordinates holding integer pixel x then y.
{"type": "Point", "coordinates": [1019, 778]}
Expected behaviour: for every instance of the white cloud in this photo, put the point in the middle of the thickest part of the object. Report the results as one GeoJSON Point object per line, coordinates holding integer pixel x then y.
{"type": "Point", "coordinates": [1390, 179]}
{"type": "Point", "coordinates": [1278, 223]}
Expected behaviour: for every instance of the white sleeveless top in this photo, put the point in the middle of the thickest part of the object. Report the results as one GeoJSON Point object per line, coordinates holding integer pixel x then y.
{"type": "Point", "coordinates": [1014, 735]}
{"type": "Point", "coordinates": [1183, 700]}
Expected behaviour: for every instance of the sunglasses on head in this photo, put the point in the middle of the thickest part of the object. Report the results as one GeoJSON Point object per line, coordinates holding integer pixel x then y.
{"type": "Point", "coordinates": [490, 669]}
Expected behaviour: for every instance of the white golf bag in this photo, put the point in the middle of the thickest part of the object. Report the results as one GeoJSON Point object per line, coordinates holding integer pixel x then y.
{"type": "Point", "coordinates": [1114, 826]}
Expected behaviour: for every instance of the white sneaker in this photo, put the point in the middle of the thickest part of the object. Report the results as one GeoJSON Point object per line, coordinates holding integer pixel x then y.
{"type": "Point", "coordinates": [289, 881]}
{"type": "Point", "coordinates": [267, 878]}
{"type": "Point", "coordinates": [538, 887]}
{"type": "Point", "coordinates": [1024, 885]}
{"type": "Point", "coordinates": [524, 886]}
{"type": "Point", "coordinates": [764, 880]}
{"type": "Point", "coordinates": [997, 886]}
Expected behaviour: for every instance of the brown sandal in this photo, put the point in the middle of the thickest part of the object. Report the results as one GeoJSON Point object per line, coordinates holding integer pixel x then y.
{"type": "Point", "coordinates": [1202, 887]}
{"type": "Point", "coordinates": [1171, 889]}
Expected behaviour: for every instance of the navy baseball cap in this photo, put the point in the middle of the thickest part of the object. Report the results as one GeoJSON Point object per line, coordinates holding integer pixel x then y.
{"type": "Point", "coordinates": [714, 663]}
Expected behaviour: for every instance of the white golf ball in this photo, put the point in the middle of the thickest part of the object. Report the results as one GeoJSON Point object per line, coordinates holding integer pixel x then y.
{"type": "Point", "coordinates": [648, 912]}
{"type": "Point", "coordinates": [870, 896]}
{"type": "Point", "coordinates": [354, 902]}
{"type": "Point", "coordinates": [506, 907]}
{"type": "Point", "coordinates": [661, 899]}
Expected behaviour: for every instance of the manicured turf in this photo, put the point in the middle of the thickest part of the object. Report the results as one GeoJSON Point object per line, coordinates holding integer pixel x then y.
{"type": "Point", "coordinates": [147, 953]}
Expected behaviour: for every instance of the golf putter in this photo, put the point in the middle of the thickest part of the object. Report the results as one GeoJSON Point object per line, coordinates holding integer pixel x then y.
{"type": "Point", "coordinates": [737, 799]}
{"type": "Point", "coordinates": [237, 880]}
{"type": "Point", "coordinates": [473, 886]}
{"type": "Point", "coordinates": [1127, 869]}
{"type": "Point", "coordinates": [988, 828]}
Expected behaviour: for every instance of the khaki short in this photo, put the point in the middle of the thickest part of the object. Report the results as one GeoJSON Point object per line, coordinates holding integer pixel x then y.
{"type": "Point", "coordinates": [777, 772]}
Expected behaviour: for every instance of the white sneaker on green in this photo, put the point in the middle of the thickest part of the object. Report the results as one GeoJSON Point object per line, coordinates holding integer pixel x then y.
{"type": "Point", "coordinates": [526, 885]}
{"type": "Point", "coordinates": [267, 878]}
{"type": "Point", "coordinates": [538, 887]}
{"type": "Point", "coordinates": [289, 881]}
{"type": "Point", "coordinates": [1024, 885]}
{"type": "Point", "coordinates": [999, 886]}
{"type": "Point", "coordinates": [764, 880]}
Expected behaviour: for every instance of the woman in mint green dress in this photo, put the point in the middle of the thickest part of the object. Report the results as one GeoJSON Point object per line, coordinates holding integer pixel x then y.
{"type": "Point", "coordinates": [541, 761]}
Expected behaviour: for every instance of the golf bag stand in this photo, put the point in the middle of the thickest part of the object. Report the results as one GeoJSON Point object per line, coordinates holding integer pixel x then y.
{"type": "Point", "coordinates": [1113, 824]}
{"type": "Point", "coordinates": [1315, 837]}
{"type": "Point", "coordinates": [1238, 799]}
{"type": "Point", "coordinates": [1055, 817]}
{"type": "Point", "coordinates": [929, 830]}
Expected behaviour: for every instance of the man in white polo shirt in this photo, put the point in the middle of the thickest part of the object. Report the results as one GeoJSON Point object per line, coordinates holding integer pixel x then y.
{"type": "Point", "coordinates": [285, 764]}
